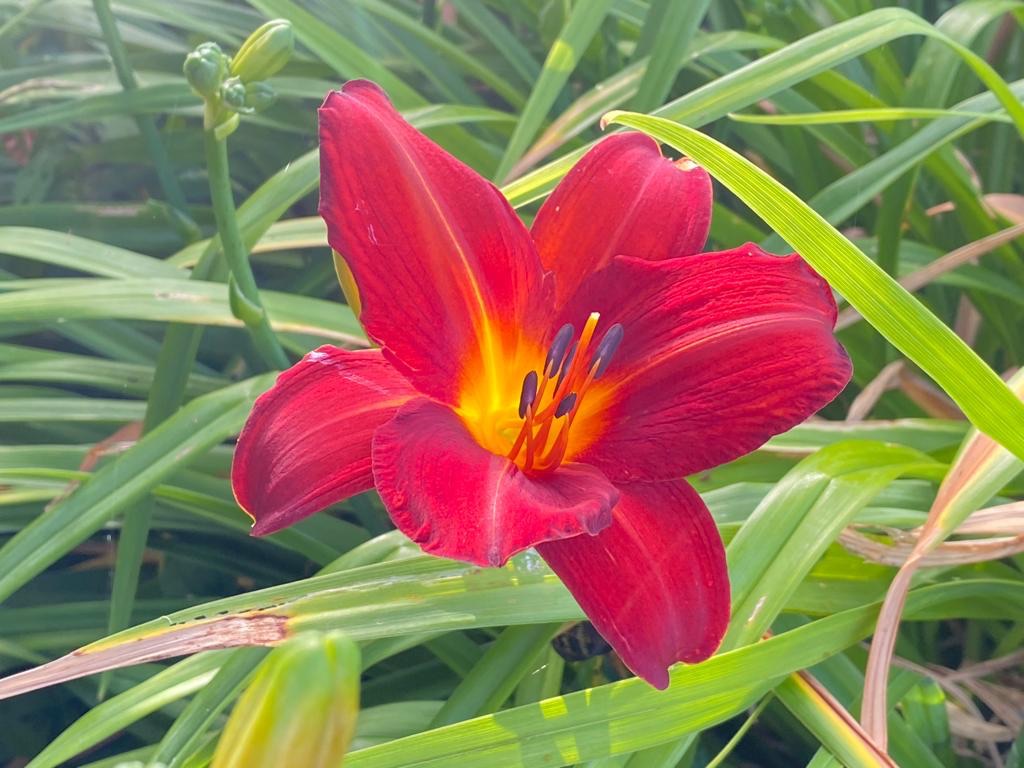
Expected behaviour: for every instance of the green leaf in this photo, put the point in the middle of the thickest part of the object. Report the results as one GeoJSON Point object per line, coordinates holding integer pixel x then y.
{"type": "Point", "coordinates": [581, 26]}
{"type": "Point", "coordinates": [149, 100]}
{"type": "Point", "coordinates": [82, 409]}
{"type": "Point", "coordinates": [496, 674]}
{"type": "Point", "coordinates": [338, 51]}
{"type": "Point", "coordinates": [164, 300]}
{"type": "Point", "coordinates": [200, 425]}
{"type": "Point", "coordinates": [877, 115]}
{"type": "Point", "coordinates": [503, 40]}
{"type": "Point", "coordinates": [896, 314]}
{"type": "Point", "coordinates": [847, 195]}
{"type": "Point", "coordinates": [630, 715]}
{"type": "Point", "coordinates": [801, 516]}
{"type": "Point", "coordinates": [77, 253]}
{"type": "Point", "coordinates": [674, 25]}
{"type": "Point", "coordinates": [765, 77]}
{"type": "Point", "coordinates": [28, 364]}
{"type": "Point", "coordinates": [158, 691]}
{"type": "Point", "coordinates": [469, 66]}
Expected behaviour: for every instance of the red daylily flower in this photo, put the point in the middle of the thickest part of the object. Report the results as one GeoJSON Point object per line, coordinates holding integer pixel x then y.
{"type": "Point", "coordinates": [544, 388]}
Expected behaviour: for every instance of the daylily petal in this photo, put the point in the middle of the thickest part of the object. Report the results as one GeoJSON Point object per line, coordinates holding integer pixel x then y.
{"type": "Point", "coordinates": [306, 444]}
{"type": "Point", "coordinates": [445, 269]}
{"type": "Point", "coordinates": [653, 583]}
{"type": "Point", "coordinates": [721, 352]}
{"type": "Point", "coordinates": [457, 500]}
{"type": "Point", "coordinates": [622, 198]}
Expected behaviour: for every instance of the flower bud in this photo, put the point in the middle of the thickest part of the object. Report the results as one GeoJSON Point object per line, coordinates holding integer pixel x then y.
{"type": "Point", "coordinates": [264, 52]}
{"type": "Point", "coordinates": [232, 94]}
{"type": "Point", "coordinates": [259, 95]}
{"type": "Point", "coordinates": [300, 708]}
{"type": "Point", "coordinates": [205, 69]}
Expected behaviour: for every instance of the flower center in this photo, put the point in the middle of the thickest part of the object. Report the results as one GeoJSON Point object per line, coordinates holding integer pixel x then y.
{"type": "Point", "coordinates": [570, 368]}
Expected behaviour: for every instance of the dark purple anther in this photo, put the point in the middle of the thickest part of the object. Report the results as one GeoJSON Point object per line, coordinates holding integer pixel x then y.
{"type": "Point", "coordinates": [529, 393]}
{"type": "Point", "coordinates": [606, 350]}
{"type": "Point", "coordinates": [558, 347]}
{"type": "Point", "coordinates": [565, 405]}
{"type": "Point", "coordinates": [566, 365]}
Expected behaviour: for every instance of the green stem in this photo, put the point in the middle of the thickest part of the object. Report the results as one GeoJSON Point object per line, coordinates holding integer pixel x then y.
{"type": "Point", "coordinates": [147, 128]}
{"type": "Point", "coordinates": [181, 341]}
{"type": "Point", "coordinates": [234, 251]}
{"type": "Point", "coordinates": [177, 353]}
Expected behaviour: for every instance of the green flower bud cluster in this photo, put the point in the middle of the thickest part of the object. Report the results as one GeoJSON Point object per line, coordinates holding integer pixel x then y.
{"type": "Point", "coordinates": [205, 69]}
{"type": "Point", "coordinates": [246, 98]}
{"type": "Point", "coordinates": [233, 86]}
{"type": "Point", "coordinates": [300, 708]}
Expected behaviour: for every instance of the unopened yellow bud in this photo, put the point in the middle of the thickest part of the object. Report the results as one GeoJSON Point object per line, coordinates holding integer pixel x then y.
{"type": "Point", "coordinates": [264, 52]}
{"type": "Point", "coordinates": [300, 708]}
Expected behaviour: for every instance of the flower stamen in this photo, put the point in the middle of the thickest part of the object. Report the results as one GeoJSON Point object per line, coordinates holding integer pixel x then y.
{"type": "Point", "coordinates": [606, 350]}
{"type": "Point", "coordinates": [528, 429]}
{"type": "Point", "coordinates": [567, 403]}
{"type": "Point", "coordinates": [528, 394]}
{"type": "Point", "coordinates": [574, 378]}
{"type": "Point", "coordinates": [556, 354]}
{"type": "Point", "coordinates": [566, 365]}
{"type": "Point", "coordinates": [579, 353]}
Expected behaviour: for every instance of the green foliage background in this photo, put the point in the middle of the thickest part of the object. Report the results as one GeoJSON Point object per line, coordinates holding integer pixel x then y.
{"type": "Point", "coordinates": [879, 116]}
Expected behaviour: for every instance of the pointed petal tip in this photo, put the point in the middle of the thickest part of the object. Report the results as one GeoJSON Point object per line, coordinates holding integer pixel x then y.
{"type": "Point", "coordinates": [687, 165]}
{"type": "Point", "coordinates": [659, 674]}
{"type": "Point", "coordinates": [361, 84]}
{"type": "Point", "coordinates": [250, 515]}
{"type": "Point", "coordinates": [656, 679]}
{"type": "Point", "coordinates": [653, 616]}
{"type": "Point", "coordinates": [259, 529]}
{"type": "Point", "coordinates": [622, 198]}
{"type": "Point", "coordinates": [353, 88]}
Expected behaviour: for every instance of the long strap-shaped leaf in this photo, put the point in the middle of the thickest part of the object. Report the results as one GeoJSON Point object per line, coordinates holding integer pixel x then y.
{"type": "Point", "coordinates": [583, 23]}
{"type": "Point", "coordinates": [181, 301]}
{"type": "Point", "coordinates": [793, 526]}
{"type": "Point", "coordinates": [197, 427]}
{"type": "Point", "coordinates": [672, 25]}
{"type": "Point", "coordinates": [627, 716]}
{"type": "Point", "coordinates": [980, 470]}
{"type": "Point", "coordinates": [777, 71]}
{"type": "Point", "coordinates": [894, 312]}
